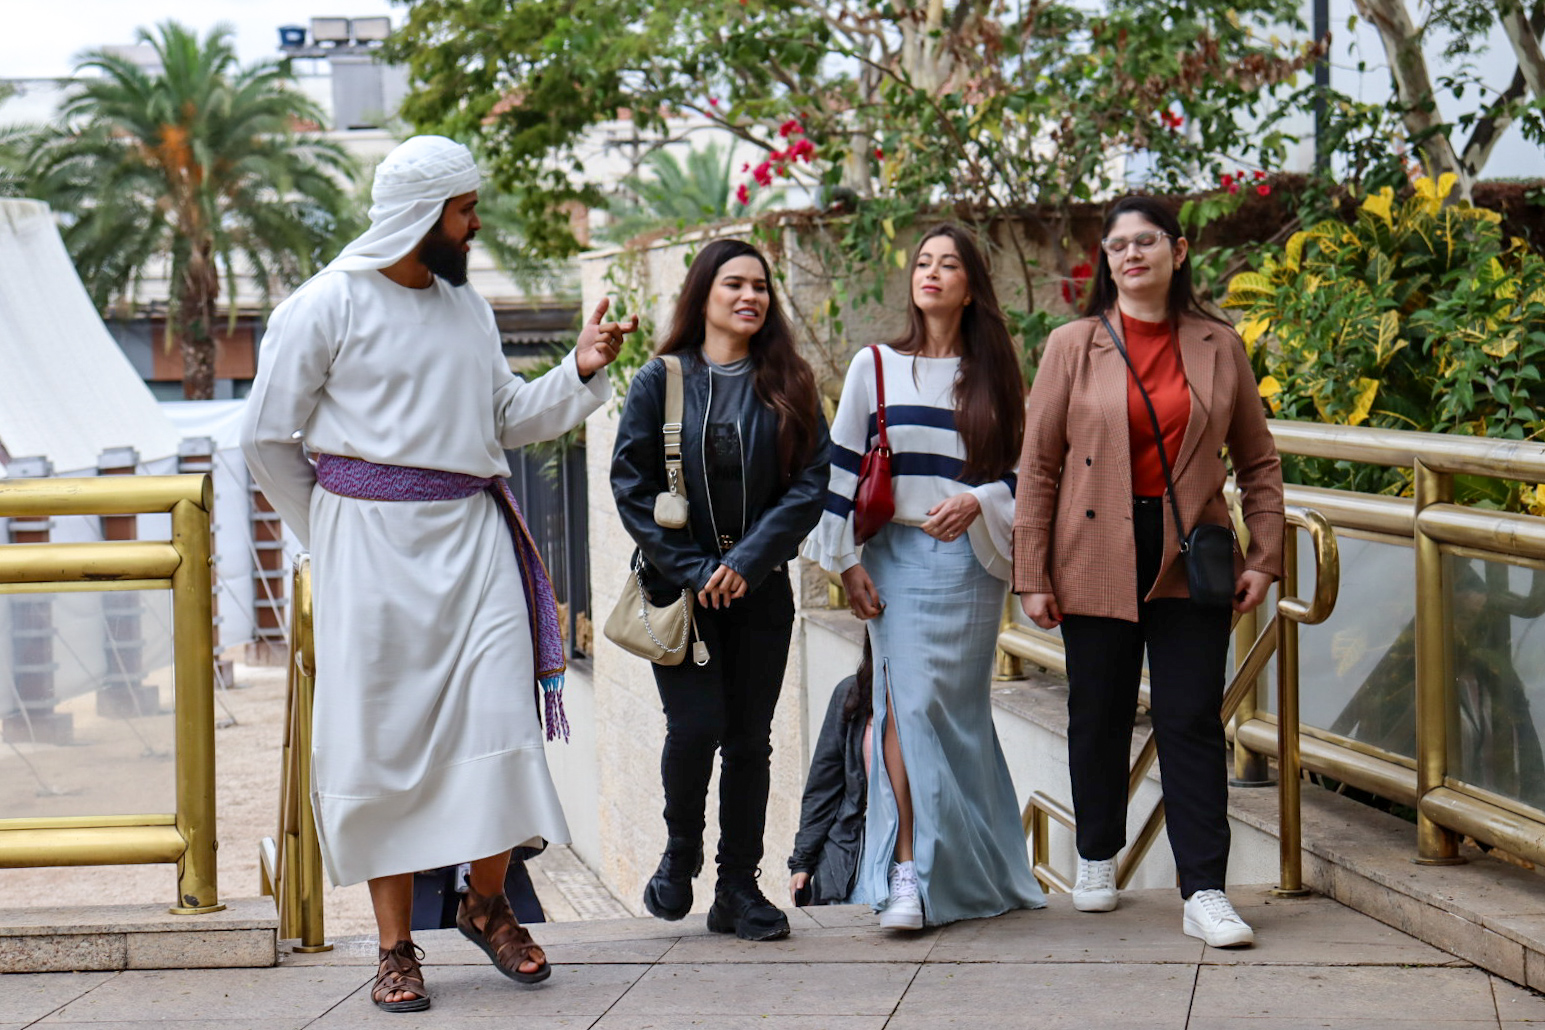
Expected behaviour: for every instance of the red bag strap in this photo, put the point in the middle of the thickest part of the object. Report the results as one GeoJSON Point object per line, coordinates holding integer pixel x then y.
{"type": "Point", "coordinates": [879, 393]}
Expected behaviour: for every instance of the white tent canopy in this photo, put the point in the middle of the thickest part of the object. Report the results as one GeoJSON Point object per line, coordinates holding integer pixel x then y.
{"type": "Point", "coordinates": [67, 392]}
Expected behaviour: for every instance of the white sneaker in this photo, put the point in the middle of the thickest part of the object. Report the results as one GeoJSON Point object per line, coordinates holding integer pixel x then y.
{"type": "Point", "coordinates": [905, 910]}
{"type": "Point", "coordinates": [1210, 917]}
{"type": "Point", "coordinates": [1095, 888]}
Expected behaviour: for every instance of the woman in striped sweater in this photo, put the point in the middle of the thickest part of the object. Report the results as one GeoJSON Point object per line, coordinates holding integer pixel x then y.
{"type": "Point", "coordinates": [942, 839]}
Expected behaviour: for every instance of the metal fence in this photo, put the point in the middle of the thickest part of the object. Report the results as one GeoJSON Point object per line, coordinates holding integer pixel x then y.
{"type": "Point", "coordinates": [180, 564]}
{"type": "Point", "coordinates": [553, 496]}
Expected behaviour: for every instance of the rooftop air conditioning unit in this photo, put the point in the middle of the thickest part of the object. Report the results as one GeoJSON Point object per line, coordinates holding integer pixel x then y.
{"type": "Point", "coordinates": [292, 37]}
{"type": "Point", "coordinates": [370, 30]}
{"type": "Point", "coordinates": [330, 30]}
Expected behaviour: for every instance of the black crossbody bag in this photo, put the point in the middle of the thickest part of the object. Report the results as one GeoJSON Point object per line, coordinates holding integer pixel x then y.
{"type": "Point", "coordinates": [1208, 550]}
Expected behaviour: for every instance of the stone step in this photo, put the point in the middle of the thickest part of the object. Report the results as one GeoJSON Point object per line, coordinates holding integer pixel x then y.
{"type": "Point", "coordinates": [110, 937]}
{"type": "Point", "coordinates": [1486, 911]}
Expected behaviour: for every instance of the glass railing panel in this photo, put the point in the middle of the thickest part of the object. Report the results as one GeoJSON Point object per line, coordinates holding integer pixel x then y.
{"type": "Point", "coordinates": [1497, 703]}
{"type": "Point", "coordinates": [86, 699]}
{"type": "Point", "coordinates": [1357, 669]}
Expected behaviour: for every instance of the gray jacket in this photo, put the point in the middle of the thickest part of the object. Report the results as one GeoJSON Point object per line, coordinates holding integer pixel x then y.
{"type": "Point", "coordinates": [831, 816]}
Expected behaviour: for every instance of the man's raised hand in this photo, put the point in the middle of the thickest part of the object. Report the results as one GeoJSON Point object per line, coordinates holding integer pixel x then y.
{"type": "Point", "coordinates": [599, 341]}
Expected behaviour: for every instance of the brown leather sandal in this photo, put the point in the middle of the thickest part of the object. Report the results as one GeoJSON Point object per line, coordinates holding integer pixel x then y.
{"type": "Point", "coordinates": [399, 971]}
{"type": "Point", "coordinates": [502, 939]}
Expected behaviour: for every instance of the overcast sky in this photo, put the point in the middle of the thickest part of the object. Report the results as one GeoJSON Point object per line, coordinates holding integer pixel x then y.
{"type": "Point", "coordinates": [41, 38]}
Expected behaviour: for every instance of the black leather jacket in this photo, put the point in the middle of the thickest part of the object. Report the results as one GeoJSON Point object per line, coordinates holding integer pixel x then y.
{"type": "Point", "coordinates": [778, 516]}
{"type": "Point", "coordinates": [831, 814]}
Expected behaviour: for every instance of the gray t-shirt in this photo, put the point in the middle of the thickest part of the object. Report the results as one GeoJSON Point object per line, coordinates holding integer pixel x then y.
{"type": "Point", "coordinates": [733, 389]}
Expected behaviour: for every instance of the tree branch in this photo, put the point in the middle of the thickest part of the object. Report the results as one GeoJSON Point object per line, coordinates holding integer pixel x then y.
{"type": "Point", "coordinates": [1413, 86]}
{"type": "Point", "coordinates": [1494, 123]}
{"type": "Point", "coordinates": [1524, 36]}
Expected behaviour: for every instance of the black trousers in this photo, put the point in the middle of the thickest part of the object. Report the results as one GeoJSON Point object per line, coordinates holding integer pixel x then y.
{"type": "Point", "coordinates": [727, 706]}
{"type": "Point", "coordinates": [1187, 647]}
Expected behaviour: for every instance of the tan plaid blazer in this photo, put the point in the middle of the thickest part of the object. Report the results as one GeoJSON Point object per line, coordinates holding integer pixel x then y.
{"type": "Point", "coordinates": [1073, 507]}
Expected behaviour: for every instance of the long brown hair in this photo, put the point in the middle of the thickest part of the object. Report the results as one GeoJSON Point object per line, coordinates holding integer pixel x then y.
{"type": "Point", "coordinates": [784, 381]}
{"type": "Point", "coordinates": [989, 388]}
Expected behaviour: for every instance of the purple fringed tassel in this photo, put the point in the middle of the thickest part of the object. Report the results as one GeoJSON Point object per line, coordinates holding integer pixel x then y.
{"type": "Point", "coordinates": [552, 696]}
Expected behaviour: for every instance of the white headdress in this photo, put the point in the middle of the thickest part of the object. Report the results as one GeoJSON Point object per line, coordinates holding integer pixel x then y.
{"type": "Point", "coordinates": [411, 187]}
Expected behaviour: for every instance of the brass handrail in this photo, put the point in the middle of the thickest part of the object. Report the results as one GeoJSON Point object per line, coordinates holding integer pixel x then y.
{"type": "Point", "coordinates": [290, 863]}
{"type": "Point", "coordinates": [181, 565]}
{"type": "Point", "coordinates": [1280, 629]}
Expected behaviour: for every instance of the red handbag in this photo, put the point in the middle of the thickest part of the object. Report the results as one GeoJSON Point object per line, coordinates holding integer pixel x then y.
{"type": "Point", "coordinates": [873, 503]}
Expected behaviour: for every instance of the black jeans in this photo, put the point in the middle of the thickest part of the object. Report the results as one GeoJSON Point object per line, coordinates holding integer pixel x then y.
{"type": "Point", "coordinates": [727, 705]}
{"type": "Point", "coordinates": [1187, 648]}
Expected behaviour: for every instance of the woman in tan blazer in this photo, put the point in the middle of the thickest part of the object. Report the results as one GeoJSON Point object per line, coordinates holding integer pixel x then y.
{"type": "Point", "coordinates": [1096, 549]}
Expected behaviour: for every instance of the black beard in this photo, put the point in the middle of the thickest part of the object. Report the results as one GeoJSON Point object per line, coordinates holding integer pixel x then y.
{"type": "Point", "coordinates": [444, 257]}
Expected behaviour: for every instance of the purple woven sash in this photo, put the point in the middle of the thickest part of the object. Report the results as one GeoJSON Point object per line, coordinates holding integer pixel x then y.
{"type": "Point", "coordinates": [367, 481]}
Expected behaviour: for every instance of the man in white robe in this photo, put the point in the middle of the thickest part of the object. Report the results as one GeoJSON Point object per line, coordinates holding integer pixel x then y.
{"type": "Point", "coordinates": [427, 740]}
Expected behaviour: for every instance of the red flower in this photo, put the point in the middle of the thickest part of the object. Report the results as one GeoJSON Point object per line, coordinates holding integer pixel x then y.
{"type": "Point", "coordinates": [801, 149]}
{"type": "Point", "coordinates": [1227, 182]}
{"type": "Point", "coordinates": [790, 128]}
{"type": "Point", "coordinates": [1078, 278]}
{"type": "Point", "coordinates": [762, 173]}
{"type": "Point", "coordinates": [1260, 175]}
{"type": "Point", "coordinates": [1263, 189]}
{"type": "Point", "coordinates": [783, 170]}
{"type": "Point", "coordinates": [713, 101]}
{"type": "Point", "coordinates": [743, 195]}
{"type": "Point", "coordinates": [879, 154]}
{"type": "Point", "coordinates": [745, 168]}
{"type": "Point", "coordinates": [1233, 187]}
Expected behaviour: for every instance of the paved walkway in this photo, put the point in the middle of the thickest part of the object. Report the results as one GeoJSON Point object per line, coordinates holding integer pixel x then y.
{"type": "Point", "coordinates": [1317, 964]}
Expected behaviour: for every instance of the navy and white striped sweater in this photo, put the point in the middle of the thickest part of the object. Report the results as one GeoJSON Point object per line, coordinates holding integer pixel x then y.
{"type": "Point", "coordinates": [927, 455]}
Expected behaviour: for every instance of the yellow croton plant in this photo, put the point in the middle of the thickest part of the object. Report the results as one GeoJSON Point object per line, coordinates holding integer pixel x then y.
{"type": "Point", "coordinates": [1412, 314]}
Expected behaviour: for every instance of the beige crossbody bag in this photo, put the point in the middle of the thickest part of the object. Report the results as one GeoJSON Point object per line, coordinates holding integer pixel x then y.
{"type": "Point", "coordinates": [636, 625]}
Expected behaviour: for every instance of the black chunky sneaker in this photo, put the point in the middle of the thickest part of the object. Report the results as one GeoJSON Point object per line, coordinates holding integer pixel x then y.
{"type": "Point", "coordinates": [739, 907]}
{"type": "Point", "coordinates": [668, 895]}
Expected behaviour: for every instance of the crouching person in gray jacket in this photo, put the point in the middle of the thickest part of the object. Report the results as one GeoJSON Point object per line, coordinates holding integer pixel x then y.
{"type": "Point", "coordinates": [831, 817]}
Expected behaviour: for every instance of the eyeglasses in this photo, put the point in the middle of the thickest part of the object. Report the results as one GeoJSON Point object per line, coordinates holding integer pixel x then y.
{"type": "Point", "coordinates": [1142, 241]}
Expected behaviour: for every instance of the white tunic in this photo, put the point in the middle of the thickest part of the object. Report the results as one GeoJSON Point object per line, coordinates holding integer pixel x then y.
{"type": "Point", "coordinates": [427, 742]}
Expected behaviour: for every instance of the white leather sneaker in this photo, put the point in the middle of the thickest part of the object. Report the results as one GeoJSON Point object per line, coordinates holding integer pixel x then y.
{"type": "Point", "coordinates": [905, 910]}
{"type": "Point", "coordinates": [1210, 917]}
{"type": "Point", "coordinates": [1095, 888]}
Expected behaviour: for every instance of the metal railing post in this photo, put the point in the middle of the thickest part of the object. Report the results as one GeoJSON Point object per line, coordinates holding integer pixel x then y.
{"type": "Point", "coordinates": [197, 879]}
{"type": "Point", "coordinates": [1290, 829]}
{"type": "Point", "coordinates": [1008, 666]}
{"type": "Point", "coordinates": [290, 863]}
{"type": "Point", "coordinates": [303, 644]}
{"type": "Point", "coordinates": [1435, 845]}
{"type": "Point", "coordinates": [1250, 767]}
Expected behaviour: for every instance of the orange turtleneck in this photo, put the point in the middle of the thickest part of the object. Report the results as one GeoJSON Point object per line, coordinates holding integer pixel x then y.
{"type": "Point", "coordinates": [1155, 354]}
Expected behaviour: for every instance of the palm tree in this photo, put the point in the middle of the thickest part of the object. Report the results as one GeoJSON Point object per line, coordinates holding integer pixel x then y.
{"type": "Point", "coordinates": [14, 140]}
{"type": "Point", "coordinates": [199, 163]}
{"type": "Point", "coordinates": [681, 194]}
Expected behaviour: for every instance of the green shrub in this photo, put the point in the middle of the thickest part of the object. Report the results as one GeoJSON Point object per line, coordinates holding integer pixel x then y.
{"type": "Point", "coordinates": [1415, 315]}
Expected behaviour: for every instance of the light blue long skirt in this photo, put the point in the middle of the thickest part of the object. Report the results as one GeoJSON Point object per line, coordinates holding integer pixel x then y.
{"type": "Point", "coordinates": [934, 647]}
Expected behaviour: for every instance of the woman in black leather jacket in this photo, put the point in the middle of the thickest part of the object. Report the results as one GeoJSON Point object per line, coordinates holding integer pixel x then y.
{"type": "Point", "coordinates": [754, 461]}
